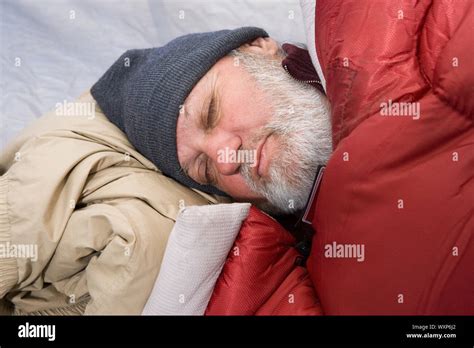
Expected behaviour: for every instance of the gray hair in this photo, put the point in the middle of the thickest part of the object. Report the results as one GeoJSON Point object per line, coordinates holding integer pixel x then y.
{"type": "Point", "coordinates": [301, 123]}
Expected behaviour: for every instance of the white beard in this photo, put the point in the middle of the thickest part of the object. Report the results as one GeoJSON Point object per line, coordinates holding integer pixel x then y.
{"type": "Point", "coordinates": [300, 124]}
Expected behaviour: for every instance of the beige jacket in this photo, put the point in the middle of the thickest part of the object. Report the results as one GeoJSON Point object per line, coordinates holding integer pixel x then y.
{"type": "Point", "coordinates": [97, 212]}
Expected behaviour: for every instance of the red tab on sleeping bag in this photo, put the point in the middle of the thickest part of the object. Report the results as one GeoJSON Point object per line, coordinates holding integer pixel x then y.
{"type": "Point", "coordinates": [260, 276]}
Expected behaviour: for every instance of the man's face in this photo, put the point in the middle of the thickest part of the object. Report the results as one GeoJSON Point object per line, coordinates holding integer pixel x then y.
{"type": "Point", "coordinates": [234, 135]}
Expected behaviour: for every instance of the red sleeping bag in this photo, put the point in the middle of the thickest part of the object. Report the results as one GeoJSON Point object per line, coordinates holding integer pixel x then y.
{"type": "Point", "coordinates": [261, 276]}
{"type": "Point", "coordinates": [401, 186]}
{"type": "Point", "coordinates": [394, 214]}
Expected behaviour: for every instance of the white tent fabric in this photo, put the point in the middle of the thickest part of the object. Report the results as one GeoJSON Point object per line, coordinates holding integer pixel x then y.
{"type": "Point", "coordinates": [53, 50]}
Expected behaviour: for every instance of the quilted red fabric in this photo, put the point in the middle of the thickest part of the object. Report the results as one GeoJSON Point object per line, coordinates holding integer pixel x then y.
{"type": "Point", "coordinates": [401, 186]}
{"type": "Point", "coordinates": [395, 211]}
{"type": "Point", "coordinates": [260, 276]}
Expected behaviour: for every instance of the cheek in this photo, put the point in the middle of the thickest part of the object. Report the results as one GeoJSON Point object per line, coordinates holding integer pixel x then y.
{"type": "Point", "coordinates": [247, 116]}
{"type": "Point", "coordinates": [235, 186]}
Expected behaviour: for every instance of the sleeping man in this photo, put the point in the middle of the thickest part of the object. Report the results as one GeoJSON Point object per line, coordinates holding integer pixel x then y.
{"type": "Point", "coordinates": [222, 120]}
{"type": "Point", "coordinates": [217, 112]}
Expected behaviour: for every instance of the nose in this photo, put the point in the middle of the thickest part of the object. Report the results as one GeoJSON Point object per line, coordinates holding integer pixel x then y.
{"type": "Point", "coordinates": [223, 149]}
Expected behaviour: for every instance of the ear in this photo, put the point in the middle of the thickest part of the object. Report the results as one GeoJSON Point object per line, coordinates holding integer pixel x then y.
{"type": "Point", "coordinates": [263, 45]}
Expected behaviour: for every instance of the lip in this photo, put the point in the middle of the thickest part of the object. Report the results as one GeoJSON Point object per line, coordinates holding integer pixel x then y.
{"type": "Point", "coordinates": [261, 165]}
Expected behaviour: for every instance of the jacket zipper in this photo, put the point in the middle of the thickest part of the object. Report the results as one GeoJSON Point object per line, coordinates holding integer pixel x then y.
{"type": "Point", "coordinates": [304, 81]}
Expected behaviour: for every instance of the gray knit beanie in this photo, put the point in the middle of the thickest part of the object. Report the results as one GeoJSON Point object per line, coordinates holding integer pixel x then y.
{"type": "Point", "coordinates": [143, 90]}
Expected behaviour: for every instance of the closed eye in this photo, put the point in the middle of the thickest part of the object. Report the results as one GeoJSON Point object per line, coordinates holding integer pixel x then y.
{"type": "Point", "coordinates": [205, 172]}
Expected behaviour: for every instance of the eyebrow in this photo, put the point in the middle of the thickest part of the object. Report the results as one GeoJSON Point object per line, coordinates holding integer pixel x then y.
{"type": "Point", "coordinates": [207, 120]}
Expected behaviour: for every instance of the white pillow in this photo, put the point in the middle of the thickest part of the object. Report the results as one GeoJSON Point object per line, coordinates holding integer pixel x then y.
{"type": "Point", "coordinates": [195, 254]}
